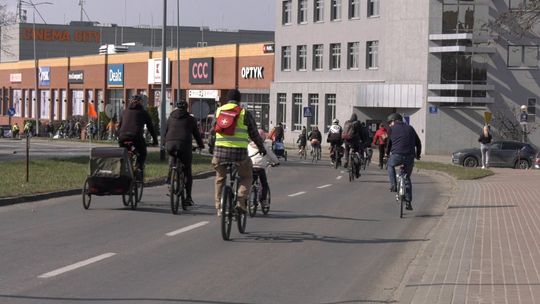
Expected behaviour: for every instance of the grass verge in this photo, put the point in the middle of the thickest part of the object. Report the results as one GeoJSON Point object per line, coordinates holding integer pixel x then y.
{"type": "Point", "coordinates": [63, 174]}
{"type": "Point", "coordinates": [460, 173]}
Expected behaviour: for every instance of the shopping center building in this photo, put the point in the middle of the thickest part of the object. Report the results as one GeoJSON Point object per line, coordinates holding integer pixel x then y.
{"type": "Point", "coordinates": [62, 88]}
{"type": "Point", "coordinates": [434, 61]}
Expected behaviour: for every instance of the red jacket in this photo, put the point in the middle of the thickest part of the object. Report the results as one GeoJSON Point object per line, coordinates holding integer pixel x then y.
{"type": "Point", "coordinates": [381, 136]}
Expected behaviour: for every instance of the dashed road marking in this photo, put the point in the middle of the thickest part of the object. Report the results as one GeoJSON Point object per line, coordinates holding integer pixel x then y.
{"type": "Point", "coordinates": [297, 193]}
{"type": "Point", "coordinates": [324, 186]}
{"type": "Point", "coordinates": [339, 177]}
{"type": "Point", "coordinates": [188, 228]}
{"type": "Point", "coordinates": [76, 265]}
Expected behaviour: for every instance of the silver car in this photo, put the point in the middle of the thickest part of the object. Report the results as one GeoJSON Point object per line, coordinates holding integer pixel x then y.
{"type": "Point", "coordinates": [506, 153]}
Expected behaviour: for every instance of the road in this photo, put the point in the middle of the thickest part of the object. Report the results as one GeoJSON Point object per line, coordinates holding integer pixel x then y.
{"type": "Point", "coordinates": [326, 240]}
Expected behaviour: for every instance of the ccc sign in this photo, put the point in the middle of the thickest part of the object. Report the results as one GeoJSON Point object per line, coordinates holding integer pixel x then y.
{"type": "Point", "coordinates": [201, 70]}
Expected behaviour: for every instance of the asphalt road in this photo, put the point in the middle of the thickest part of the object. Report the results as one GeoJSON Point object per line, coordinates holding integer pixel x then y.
{"type": "Point", "coordinates": [326, 240]}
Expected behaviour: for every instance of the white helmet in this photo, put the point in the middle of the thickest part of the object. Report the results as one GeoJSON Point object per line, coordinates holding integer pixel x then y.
{"type": "Point", "coordinates": [523, 108]}
{"type": "Point", "coordinates": [335, 121]}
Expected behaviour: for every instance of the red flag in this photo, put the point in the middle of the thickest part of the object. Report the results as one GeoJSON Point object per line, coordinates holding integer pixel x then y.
{"type": "Point", "coordinates": [92, 111]}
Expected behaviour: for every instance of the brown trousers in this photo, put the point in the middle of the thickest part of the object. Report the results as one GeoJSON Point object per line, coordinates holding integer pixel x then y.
{"type": "Point", "coordinates": [245, 171]}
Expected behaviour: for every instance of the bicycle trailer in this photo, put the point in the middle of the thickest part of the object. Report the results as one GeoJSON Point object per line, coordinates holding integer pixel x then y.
{"type": "Point", "coordinates": [110, 172]}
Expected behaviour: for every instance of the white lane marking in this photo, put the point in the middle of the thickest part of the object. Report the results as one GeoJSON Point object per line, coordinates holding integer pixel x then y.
{"type": "Point", "coordinates": [76, 265]}
{"type": "Point", "coordinates": [324, 186]}
{"type": "Point", "coordinates": [297, 193]}
{"type": "Point", "coordinates": [339, 177]}
{"type": "Point", "coordinates": [188, 228]}
{"type": "Point", "coordinates": [342, 172]}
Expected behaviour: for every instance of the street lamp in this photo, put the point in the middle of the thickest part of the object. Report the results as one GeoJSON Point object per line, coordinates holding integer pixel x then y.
{"type": "Point", "coordinates": [34, 6]}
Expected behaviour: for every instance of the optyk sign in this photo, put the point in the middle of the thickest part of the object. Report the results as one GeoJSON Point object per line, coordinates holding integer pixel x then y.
{"type": "Point", "coordinates": [201, 70]}
{"type": "Point", "coordinates": [44, 76]}
{"type": "Point", "coordinates": [115, 75]}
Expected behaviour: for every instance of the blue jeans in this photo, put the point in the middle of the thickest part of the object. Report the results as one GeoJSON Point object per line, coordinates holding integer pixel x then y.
{"type": "Point", "coordinates": [408, 161]}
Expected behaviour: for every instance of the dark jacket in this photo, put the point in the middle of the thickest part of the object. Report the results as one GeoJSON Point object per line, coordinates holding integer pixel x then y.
{"type": "Point", "coordinates": [315, 135]}
{"type": "Point", "coordinates": [403, 140]}
{"type": "Point", "coordinates": [485, 140]}
{"type": "Point", "coordinates": [357, 132]}
{"type": "Point", "coordinates": [182, 128]}
{"type": "Point", "coordinates": [132, 121]}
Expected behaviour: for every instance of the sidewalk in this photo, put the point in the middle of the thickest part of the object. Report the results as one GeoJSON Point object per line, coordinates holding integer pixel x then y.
{"type": "Point", "coordinates": [486, 247]}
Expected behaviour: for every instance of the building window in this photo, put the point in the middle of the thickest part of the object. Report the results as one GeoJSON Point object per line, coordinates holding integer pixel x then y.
{"type": "Point", "coordinates": [520, 4]}
{"type": "Point", "coordinates": [286, 58]}
{"type": "Point", "coordinates": [373, 8]}
{"type": "Point", "coordinates": [318, 6]}
{"type": "Point", "coordinates": [297, 112]}
{"type": "Point", "coordinates": [335, 13]}
{"type": "Point", "coordinates": [330, 110]}
{"type": "Point", "coordinates": [286, 13]}
{"type": "Point", "coordinates": [354, 9]}
{"type": "Point", "coordinates": [318, 57]}
{"type": "Point", "coordinates": [372, 54]}
{"type": "Point", "coordinates": [301, 57]}
{"type": "Point", "coordinates": [302, 11]}
{"type": "Point", "coordinates": [313, 100]}
{"type": "Point", "coordinates": [523, 56]}
{"type": "Point", "coordinates": [353, 53]}
{"type": "Point", "coordinates": [258, 105]}
{"type": "Point", "coordinates": [335, 56]}
{"type": "Point", "coordinates": [459, 18]}
{"type": "Point", "coordinates": [531, 109]}
{"type": "Point", "coordinates": [281, 108]}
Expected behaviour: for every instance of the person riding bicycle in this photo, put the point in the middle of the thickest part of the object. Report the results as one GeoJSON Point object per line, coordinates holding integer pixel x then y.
{"type": "Point", "coordinates": [353, 136]}
{"type": "Point", "coordinates": [302, 140]}
{"type": "Point", "coordinates": [179, 133]}
{"type": "Point", "coordinates": [261, 162]}
{"type": "Point", "coordinates": [335, 140]}
{"type": "Point", "coordinates": [403, 146]}
{"type": "Point", "coordinates": [234, 127]}
{"type": "Point", "coordinates": [130, 128]}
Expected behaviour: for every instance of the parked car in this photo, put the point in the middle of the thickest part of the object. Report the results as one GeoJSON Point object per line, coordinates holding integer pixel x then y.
{"type": "Point", "coordinates": [505, 153]}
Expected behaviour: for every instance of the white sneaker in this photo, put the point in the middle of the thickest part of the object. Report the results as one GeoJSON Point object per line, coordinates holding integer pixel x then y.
{"type": "Point", "coordinates": [483, 167]}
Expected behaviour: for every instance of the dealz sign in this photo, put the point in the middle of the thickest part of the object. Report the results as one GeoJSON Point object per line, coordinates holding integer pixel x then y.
{"type": "Point", "coordinates": [115, 75]}
{"type": "Point", "coordinates": [201, 70]}
{"type": "Point", "coordinates": [252, 72]}
{"type": "Point", "coordinates": [44, 76]}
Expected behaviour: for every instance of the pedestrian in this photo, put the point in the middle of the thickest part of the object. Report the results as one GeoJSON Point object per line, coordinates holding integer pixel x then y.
{"type": "Point", "coordinates": [485, 145]}
{"type": "Point", "coordinates": [381, 139]}
{"type": "Point", "coordinates": [15, 131]}
{"type": "Point", "coordinates": [278, 133]}
{"type": "Point", "coordinates": [301, 141]}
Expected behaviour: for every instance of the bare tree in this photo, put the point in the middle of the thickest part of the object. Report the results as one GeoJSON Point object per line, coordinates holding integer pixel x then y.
{"type": "Point", "coordinates": [521, 21]}
{"type": "Point", "coordinates": [506, 126]}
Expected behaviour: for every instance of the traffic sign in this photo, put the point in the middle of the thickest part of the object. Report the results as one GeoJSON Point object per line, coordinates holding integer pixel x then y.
{"type": "Point", "coordinates": [11, 111]}
{"type": "Point", "coordinates": [308, 112]}
{"type": "Point", "coordinates": [433, 109]}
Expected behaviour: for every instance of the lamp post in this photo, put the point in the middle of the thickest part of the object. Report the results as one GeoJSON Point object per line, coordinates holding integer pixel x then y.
{"type": "Point", "coordinates": [163, 83]}
{"type": "Point", "coordinates": [179, 92]}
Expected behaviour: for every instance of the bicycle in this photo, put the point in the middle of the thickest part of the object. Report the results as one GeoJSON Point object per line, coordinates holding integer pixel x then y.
{"type": "Point", "coordinates": [302, 152]}
{"type": "Point", "coordinates": [138, 175]}
{"type": "Point", "coordinates": [401, 183]}
{"type": "Point", "coordinates": [355, 164]}
{"type": "Point", "coordinates": [228, 208]}
{"type": "Point", "coordinates": [255, 195]}
{"type": "Point", "coordinates": [315, 152]}
{"type": "Point", "coordinates": [177, 189]}
{"type": "Point", "coordinates": [335, 153]}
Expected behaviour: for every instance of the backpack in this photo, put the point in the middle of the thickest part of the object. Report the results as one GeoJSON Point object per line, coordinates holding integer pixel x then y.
{"type": "Point", "coordinates": [334, 133]}
{"type": "Point", "coordinates": [226, 121]}
{"type": "Point", "coordinates": [348, 130]}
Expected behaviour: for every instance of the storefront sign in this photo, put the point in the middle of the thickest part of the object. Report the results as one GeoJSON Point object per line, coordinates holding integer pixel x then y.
{"type": "Point", "coordinates": [268, 48]}
{"type": "Point", "coordinates": [252, 72]}
{"type": "Point", "coordinates": [115, 75]}
{"type": "Point", "coordinates": [17, 77]}
{"type": "Point", "coordinates": [61, 35]}
{"type": "Point", "coordinates": [76, 77]}
{"type": "Point", "coordinates": [154, 71]}
{"type": "Point", "coordinates": [201, 70]}
{"type": "Point", "coordinates": [44, 76]}
{"type": "Point", "coordinates": [204, 94]}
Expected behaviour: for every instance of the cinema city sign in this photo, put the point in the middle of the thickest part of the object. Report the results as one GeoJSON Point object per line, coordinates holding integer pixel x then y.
{"type": "Point", "coordinates": [60, 35]}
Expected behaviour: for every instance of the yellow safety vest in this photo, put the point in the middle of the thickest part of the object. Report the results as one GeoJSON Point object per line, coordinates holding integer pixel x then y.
{"type": "Point", "coordinates": [240, 139]}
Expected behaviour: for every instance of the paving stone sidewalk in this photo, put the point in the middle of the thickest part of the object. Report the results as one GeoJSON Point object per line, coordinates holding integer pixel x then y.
{"type": "Point", "coordinates": [486, 248]}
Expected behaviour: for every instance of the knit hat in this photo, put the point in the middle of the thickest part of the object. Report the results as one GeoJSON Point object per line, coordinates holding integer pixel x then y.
{"type": "Point", "coordinates": [233, 95]}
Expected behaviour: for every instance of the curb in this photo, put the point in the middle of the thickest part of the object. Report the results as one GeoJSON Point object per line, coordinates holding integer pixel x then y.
{"type": "Point", "coordinates": [44, 196]}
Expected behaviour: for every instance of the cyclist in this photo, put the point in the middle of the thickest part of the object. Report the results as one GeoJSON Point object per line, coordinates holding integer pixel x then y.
{"type": "Point", "coordinates": [179, 133]}
{"type": "Point", "coordinates": [335, 140]}
{"type": "Point", "coordinates": [130, 128]}
{"type": "Point", "coordinates": [403, 146]}
{"type": "Point", "coordinates": [353, 137]}
{"type": "Point", "coordinates": [315, 138]}
{"type": "Point", "coordinates": [234, 127]}
{"type": "Point", "coordinates": [302, 141]}
{"type": "Point", "coordinates": [261, 162]}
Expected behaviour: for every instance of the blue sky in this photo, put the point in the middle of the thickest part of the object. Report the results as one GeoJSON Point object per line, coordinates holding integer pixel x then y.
{"type": "Point", "coordinates": [230, 14]}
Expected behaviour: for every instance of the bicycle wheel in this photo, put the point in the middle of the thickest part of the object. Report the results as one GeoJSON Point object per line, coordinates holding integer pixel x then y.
{"type": "Point", "coordinates": [253, 200]}
{"type": "Point", "coordinates": [226, 212]}
{"type": "Point", "coordinates": [314, 155]}
{"type": "Point", "coordinates": [139, 180]}
{"type": "Point", "coordinates": [86, 196]}
{"type": "Point", "coordinates": [173, 190]}
{"type": "Point", "coordinates": [133, 196]}
{"type": "Point", "coordinates": [182, 190]}
{"type": "Point", "coordinates": [336, 158]}
{"type": "Point", "coordinates": [266, 209]}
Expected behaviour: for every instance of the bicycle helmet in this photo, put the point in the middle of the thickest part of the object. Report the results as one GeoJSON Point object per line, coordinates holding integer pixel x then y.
{"type": "Point", "coordinates": [335, 121]}
{"type": "Point", "coordinates": [136, 99]}
{"type": "Point", "coordinates": [395, 116]}
{"type": "Point", "coordinates": [181, 104]}
{"type": "Point", "coordinates": [523, 108]}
